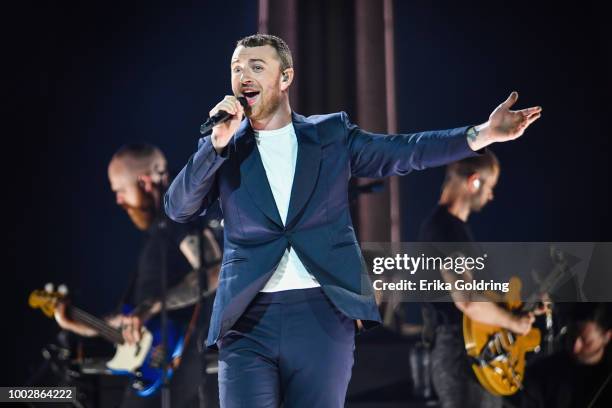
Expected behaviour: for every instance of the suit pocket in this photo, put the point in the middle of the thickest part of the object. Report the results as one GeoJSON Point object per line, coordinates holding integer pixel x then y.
{"type": "Point", "coordinates": [344, 238]}
{"type": "Point", "coordinates": [233, 261]}
{"type": "Point", "coordinates": [343, 244]}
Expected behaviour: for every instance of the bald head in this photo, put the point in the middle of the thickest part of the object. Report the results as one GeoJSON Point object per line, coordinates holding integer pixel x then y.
{"type": "Point", "coordinates": [138, 175]}
{"type": "Point", "coordinates": [137, 160]}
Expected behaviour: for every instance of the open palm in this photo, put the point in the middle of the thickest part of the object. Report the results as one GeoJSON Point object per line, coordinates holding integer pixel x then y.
{"type": "Point", "coordinates": [506, 124]}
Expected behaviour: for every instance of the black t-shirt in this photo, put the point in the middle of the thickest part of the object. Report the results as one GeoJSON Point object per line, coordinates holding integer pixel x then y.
{"type": "Point", "coordinates": [163, 238]}
{"type": "Point", "coordinates": [442, 226]}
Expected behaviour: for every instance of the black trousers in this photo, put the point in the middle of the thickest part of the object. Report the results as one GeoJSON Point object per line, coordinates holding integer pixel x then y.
{"type": "Point", "coordinates": [453, 378]}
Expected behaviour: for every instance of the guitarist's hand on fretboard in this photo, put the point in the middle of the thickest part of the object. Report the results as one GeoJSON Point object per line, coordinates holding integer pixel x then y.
{"type": "Point", "coordinates": [121, 330]}
{"type": "Point", "coordinates": [66, 323]}
{"type": "Point", "coordinates": [522, 324]}
{"type": "Point", "coordinates": [114, 320]}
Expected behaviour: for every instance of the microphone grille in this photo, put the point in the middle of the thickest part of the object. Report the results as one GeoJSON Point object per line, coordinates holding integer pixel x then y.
{"type": "Point", "coordinates": [243, 102]}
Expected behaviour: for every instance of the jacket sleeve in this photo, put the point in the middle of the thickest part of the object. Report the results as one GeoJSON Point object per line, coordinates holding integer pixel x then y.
{"type": "Point", "coordinates": [377, 155]}
{"type": "Point", "coordinates": [195, 188]}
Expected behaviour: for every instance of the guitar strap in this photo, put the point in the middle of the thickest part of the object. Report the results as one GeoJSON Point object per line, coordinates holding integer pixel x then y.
{"type": "Point", "coordinates": [176, 361]}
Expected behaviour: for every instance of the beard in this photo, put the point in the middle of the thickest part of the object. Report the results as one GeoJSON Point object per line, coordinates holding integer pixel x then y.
{"type": "Point", "coordinates": [143, 212]}
{"type": "Point", "coordinates": [263, 108]}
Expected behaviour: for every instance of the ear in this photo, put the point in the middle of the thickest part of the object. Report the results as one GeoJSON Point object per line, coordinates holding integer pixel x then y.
{"type": "Point", "coordinates": [145, 182]}
{"type": "Point", "coordinates": [286, 78]}
{"type": "Point", "coordinates": [474, 183]}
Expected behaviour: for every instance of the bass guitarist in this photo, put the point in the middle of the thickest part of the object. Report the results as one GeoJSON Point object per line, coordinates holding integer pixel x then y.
{"type": "Point", "coordinates": [138, 177]}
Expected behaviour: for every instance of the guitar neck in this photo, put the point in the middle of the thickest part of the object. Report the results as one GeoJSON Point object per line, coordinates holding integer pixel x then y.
{"type": "Point", "coordinates": [529, 306]}
{"type": "Point", "coordinates": [552, 279]}
{"type": "Point", "coordinates": [104, 329]}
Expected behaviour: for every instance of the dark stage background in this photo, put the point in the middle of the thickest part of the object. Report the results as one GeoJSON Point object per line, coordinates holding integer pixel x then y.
{"type": "Point", "coordinates": [98, 76]}
{"type": "Point", "coordinates": [458, 60]}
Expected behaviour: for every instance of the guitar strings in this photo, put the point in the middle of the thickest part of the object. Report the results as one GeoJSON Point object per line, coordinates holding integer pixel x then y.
{"type": "Point", "coordinates": [102, 327]}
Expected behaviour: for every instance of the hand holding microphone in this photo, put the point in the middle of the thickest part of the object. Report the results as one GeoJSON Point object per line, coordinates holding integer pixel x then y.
{"type": "Point", "coordinates": [224, 119]}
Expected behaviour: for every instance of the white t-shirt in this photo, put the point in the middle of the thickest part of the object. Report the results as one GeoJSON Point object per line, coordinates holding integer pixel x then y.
{"type": "Point", "coordinates": [278, 150]}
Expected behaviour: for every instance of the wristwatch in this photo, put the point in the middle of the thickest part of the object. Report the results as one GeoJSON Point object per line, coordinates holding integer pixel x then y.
{"type": "Point", "coordinates": [472, 133]}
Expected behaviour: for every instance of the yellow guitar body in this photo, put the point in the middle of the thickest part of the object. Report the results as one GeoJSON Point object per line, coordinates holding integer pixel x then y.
{"type": "Point", "coordinates": [498, 354]}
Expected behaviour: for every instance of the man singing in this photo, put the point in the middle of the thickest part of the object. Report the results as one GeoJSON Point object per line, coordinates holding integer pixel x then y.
{"type": "Point", "coordinates": [293, 281]}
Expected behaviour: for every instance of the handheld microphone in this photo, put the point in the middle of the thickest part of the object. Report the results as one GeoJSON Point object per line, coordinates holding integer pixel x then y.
{"type": "Point", "coordinates": [220, 117]}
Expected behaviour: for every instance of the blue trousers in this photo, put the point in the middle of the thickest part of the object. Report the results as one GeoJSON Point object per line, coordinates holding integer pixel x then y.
{"type": "Point", "coordinates": [292, 348]}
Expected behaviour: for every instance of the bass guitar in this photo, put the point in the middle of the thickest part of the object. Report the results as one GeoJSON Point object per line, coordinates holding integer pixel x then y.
{"type": "Point", "coordinates": [142, 361]}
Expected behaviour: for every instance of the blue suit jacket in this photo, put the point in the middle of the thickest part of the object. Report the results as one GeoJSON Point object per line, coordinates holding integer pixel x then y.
{"type": "Point", "coordinates": [331, 150]}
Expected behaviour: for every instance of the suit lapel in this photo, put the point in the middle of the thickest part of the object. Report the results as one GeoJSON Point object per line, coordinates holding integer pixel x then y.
{"type": "Point", "coordinates": [307, 165]}
{"type": "Point", "coordinates": [253, 174]}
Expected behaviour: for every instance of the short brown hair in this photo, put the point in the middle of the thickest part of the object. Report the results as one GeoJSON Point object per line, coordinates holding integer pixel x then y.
{"type": "Point", "coordinates": [281, 47]}
{"type": "Point", "coordinates": [486, 161]}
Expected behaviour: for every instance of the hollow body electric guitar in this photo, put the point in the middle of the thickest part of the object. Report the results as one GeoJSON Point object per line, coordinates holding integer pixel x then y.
{"type": "Point", "coordinates": [498, 355]}
{"type": "Point", "coordinates": [142, 361]}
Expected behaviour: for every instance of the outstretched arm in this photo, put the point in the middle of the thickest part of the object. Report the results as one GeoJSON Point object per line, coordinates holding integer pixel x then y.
{"type": "Point", "coordinates": [379, 155]}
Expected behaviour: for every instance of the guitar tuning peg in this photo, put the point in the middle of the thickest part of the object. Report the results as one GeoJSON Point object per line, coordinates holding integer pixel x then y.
{"type": "Point", "coordinates": [62, 289]}
{"type": "Point", "coordinates": [48, 287]}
